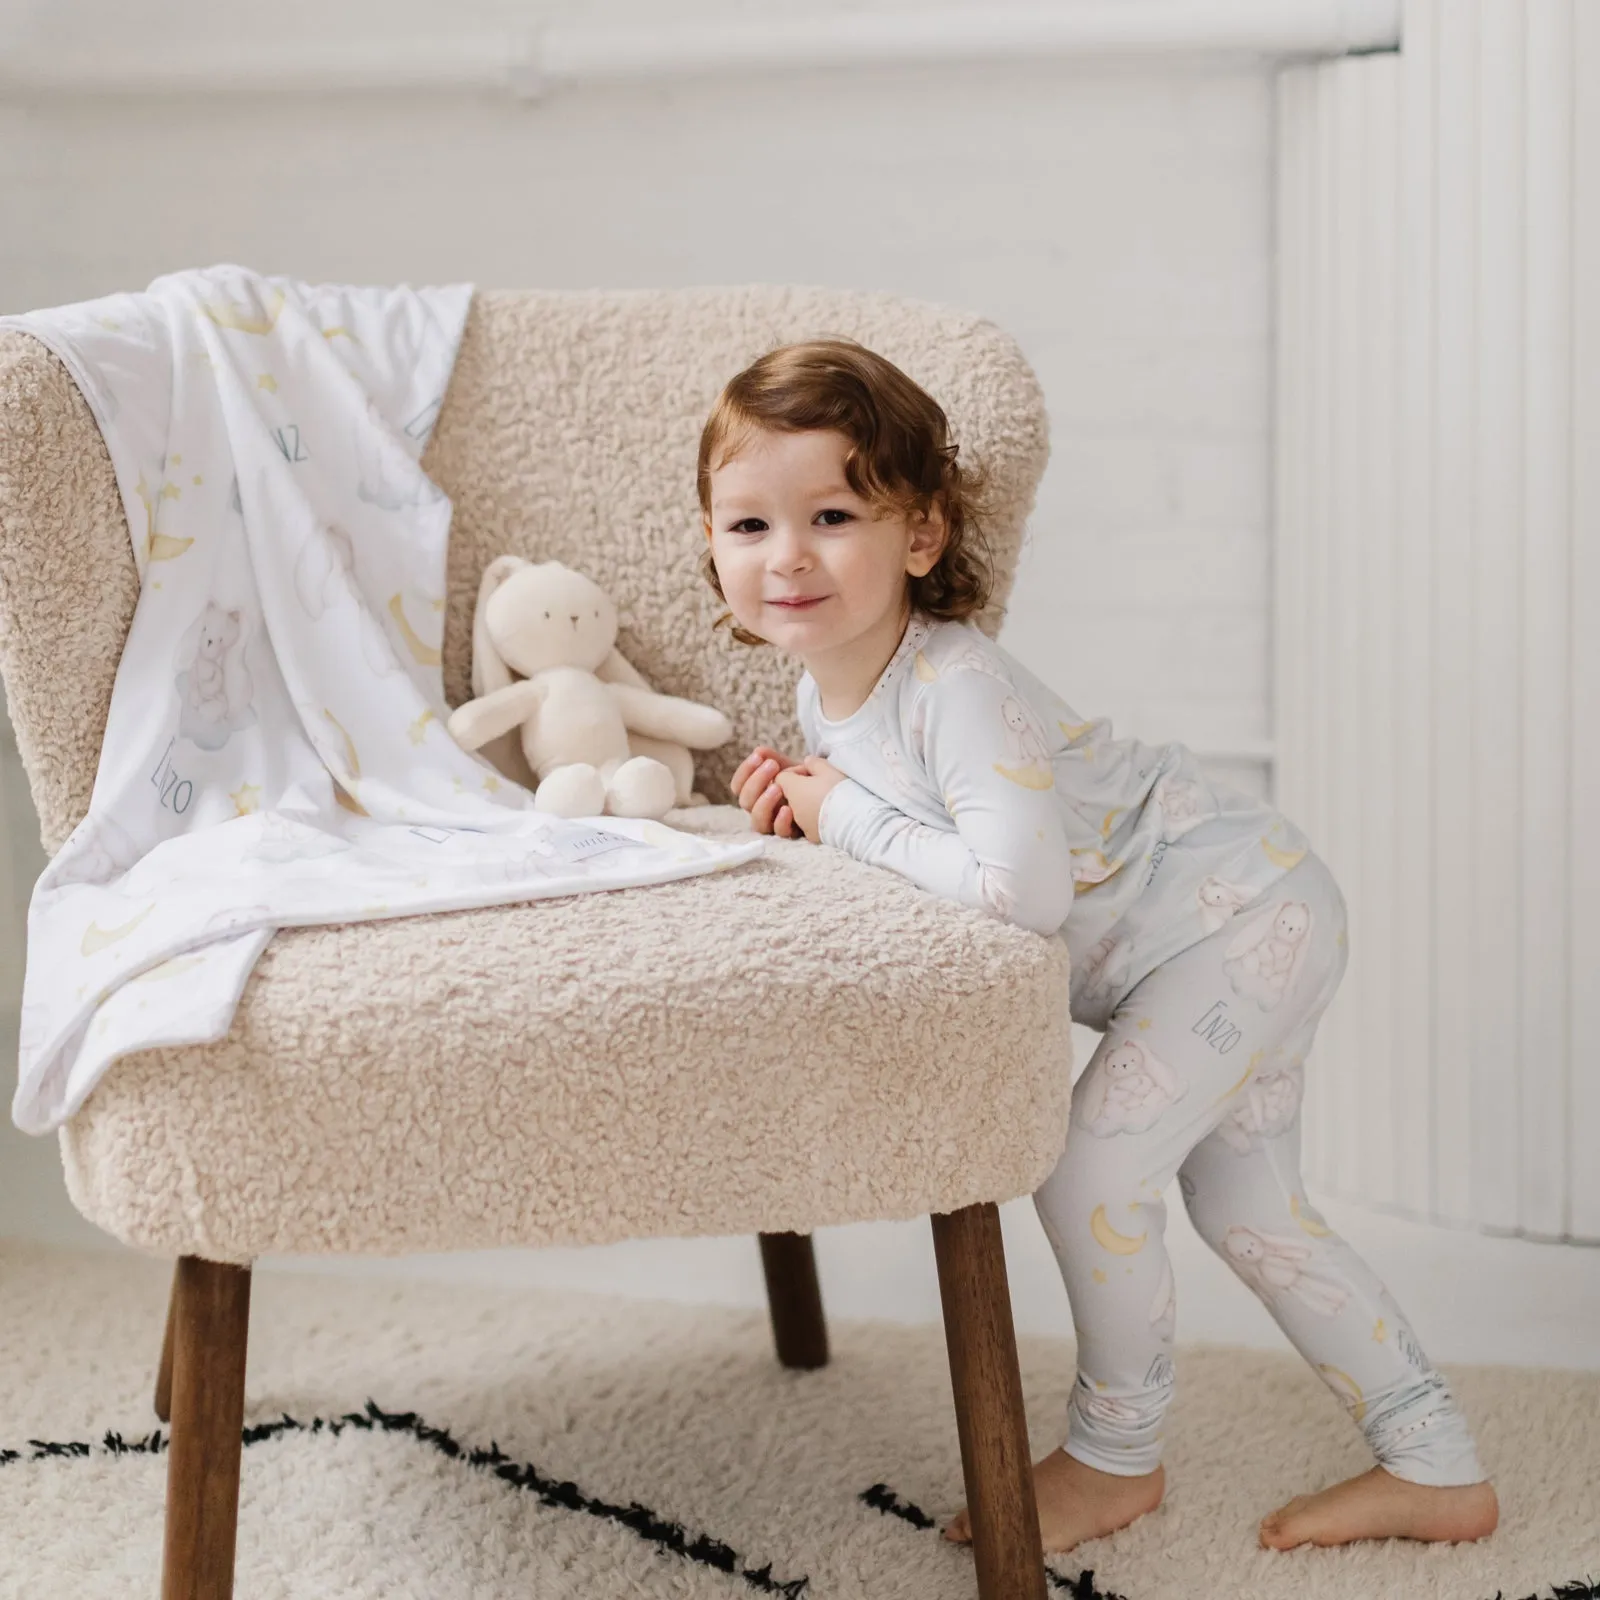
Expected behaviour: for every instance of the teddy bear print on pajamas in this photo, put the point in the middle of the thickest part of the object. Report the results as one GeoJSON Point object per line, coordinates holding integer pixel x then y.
{"type": "Point", "coordinates": [1206, 939]}
{"type": "Point", "coordinates": [1129, 1088]}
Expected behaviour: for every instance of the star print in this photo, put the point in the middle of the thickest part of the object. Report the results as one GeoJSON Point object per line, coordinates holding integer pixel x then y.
{"type": "Point", "coordinates": [1377, 1332]}
{"type": "Point", "coordinates": [1144, 1022]}
{"type": "Point", "coordinates": [418, 730]}
{"type": "Point", "coordinates": [492, 785]}
{"type": "Point", "coordinates": [1099, 1276]}
{"type": "Point", "coordinates": [246, 798]}
{"type": "Point", "coordinates": [268, 382]}
{"type": "Point", "coordinates": [170, 491]}
{"type": "Point", "coordinates": [198, 480]}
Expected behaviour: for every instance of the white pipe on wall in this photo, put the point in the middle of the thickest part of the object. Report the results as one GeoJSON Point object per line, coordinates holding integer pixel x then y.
{"type": "Point", "coordinates": [561, 53]}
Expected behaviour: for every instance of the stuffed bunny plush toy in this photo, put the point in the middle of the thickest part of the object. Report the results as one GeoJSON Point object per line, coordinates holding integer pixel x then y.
{"type": "Point", "coordinates": [597, 738]}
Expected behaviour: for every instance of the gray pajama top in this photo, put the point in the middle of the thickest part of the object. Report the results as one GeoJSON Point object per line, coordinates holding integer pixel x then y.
{"type": "Point", "coordinates": [970, 777]}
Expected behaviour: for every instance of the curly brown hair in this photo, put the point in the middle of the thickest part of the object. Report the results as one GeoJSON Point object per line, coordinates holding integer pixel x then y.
{"type": "Point", "coordinates": [900, 456]}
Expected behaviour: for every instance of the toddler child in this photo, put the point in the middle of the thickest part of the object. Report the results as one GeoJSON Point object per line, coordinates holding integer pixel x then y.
{"type": "Point", "coordinates": [1206, 938]}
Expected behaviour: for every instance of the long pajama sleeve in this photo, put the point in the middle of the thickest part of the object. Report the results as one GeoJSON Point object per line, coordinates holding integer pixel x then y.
{"type": "Point", "coordinates": [984, 757]}
{"type": "Point", "coordinates": [975, 780]}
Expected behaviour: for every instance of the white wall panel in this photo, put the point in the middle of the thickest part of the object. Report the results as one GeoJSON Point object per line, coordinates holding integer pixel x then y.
{"type": "Point", "coordinates": [1436, 541]}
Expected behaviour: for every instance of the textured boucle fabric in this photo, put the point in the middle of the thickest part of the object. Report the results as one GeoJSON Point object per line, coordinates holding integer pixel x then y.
{"type": "Point", "coordinates": [799, 1042]}
{"type": "Point", "coordinates": [68, 584]}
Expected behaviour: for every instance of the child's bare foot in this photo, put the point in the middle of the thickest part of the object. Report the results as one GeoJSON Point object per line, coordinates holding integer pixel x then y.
{"type": "Point", "coordinates": [1077, 1502]}
{"type": "Point", "coordinates": [1378, 1505]}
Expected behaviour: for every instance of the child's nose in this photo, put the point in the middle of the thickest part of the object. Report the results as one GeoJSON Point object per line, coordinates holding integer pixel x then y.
{"type": "Point", "coordinates": [789, 549]}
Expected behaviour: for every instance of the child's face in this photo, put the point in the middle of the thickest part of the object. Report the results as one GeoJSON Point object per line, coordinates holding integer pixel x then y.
{"type": "Point", "coordinates": [805, 562]}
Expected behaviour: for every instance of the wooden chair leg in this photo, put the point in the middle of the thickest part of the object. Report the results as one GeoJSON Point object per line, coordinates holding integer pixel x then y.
{"type": "Point", "coordinates": [798, 1326]}
{"type": "Point", "coordinates": [164, 1371]}
{"type": "Point", "coordinates": [210, 1321]}
{"type": "Point", "coordinates": [988, 1393]}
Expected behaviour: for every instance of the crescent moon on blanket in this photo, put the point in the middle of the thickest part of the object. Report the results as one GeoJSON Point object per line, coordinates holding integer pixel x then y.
{"type": "Point", "coordinates": [353, 764]}
{"type": "Point", "coordinates": [157, 546]}
{"type": "Point", "coordinates": [1036, 776]}
{"type": "Point", "coordinates": [1111, 816]}
{"type": "Point", "coordinates": [241, 320]}
{"type": "Point", "coordinates": [1345, 1387]}
{"type": "Point", "coordinates": [1279, 857]}
{"type": "Point", "coordinates": [96, 938]}
{"type": "Point", "coordinates": [1316, 1229]}
{"type": "Point", "coordinates": [1107, 1237]}
{"type": "Point", "coordinates": [1074, 730]}
{"type": "Point", "coordinates": [170, 969]}
{"type": "Point", "coordinates": [423, 654]}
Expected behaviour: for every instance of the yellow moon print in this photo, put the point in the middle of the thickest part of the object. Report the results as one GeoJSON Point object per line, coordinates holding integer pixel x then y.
{"type": "Point", "coordinates": [1311, 1226]}
{"type": "Point", "coordinates": [163, 547]}
{"type": "Point", "coordinates": [1111, 817]}
{"type": "Point", "coordinates": [170, 969]}
{"type": "Point", "coordinates": [1035, 776]}
{"type": "Point", "coordinates": [226, 315]}
{"type": "Point", "coordinates": [96, 938]}
{"type": "Point", "coordinates": [157, 546]}
{"type": "Point", "coordinates": [1093, 879]}
{"type": "Point", "coordinates": [1240, 1084]}
{"type": "Point", "coordinates": [423, 655]}
{"type": "Point", "coordinates": [1107, 1237]}
{"type": "Point", "coordinates": [925, 668]}
{"type": "Point", "coordinates": [353, 766]}
{"type": "Point", "coordinates": [1074, 730]}
{"type": "Point", "coordinates": [1345, 1386]}
{"type": "Point", "coordinates": [1279, 857]}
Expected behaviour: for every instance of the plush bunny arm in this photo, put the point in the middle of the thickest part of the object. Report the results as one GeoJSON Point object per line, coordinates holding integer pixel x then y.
{"type": "Point", "coordinates": [478, 721]}
{"type": "Point", "coordinates": [664, 716]}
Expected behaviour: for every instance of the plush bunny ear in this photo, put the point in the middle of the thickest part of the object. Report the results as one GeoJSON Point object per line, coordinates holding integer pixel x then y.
{"type": "Point", "coordinates": [489, 672]}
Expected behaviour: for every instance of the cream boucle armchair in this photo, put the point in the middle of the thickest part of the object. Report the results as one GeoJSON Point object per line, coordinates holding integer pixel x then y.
{"type": "Point", "coordinates": [590, 1069]}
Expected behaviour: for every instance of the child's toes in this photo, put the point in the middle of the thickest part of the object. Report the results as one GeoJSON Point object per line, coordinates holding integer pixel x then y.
{"type": "Point", "coordinates": [959, 1529]}
{"type": "Point", "coordinates": [1272, 1525]}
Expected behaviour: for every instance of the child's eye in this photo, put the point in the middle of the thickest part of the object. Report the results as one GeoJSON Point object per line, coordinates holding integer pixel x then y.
{"type": "Point", "coordinates": [748, 525]}
{"type": "Point", "coordinates": [833, 518]}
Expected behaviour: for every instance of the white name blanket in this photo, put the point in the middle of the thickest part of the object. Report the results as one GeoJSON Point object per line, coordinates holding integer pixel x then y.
{"type": "Point", "coordinates": [275, 752]}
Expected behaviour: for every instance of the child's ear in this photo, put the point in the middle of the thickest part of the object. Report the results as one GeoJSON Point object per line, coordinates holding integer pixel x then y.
{"type": "Point", "coordinates": [927, 543]}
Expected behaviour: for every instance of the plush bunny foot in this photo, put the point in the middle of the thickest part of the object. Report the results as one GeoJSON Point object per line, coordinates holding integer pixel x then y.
{"type": "Point", "coordinates": [573, 791]}
{"type": "Point", "coordinates": [641, 787]}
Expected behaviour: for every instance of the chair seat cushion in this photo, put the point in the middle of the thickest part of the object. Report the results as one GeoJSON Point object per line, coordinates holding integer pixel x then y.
{"type": "Point", "coordinates": [800, 1041]}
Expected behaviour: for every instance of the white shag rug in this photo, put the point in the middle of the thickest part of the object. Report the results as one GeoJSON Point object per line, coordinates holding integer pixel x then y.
{"type": "Point", "coordinates": [407, 1439]}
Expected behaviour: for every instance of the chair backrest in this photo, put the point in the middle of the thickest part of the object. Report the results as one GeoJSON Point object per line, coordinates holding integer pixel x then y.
{"type": "Point", "coordinates": [569, 432]}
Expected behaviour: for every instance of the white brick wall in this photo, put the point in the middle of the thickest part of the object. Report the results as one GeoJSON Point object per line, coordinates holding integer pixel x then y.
{"type": "Point", "coordinates": [1117, 221]}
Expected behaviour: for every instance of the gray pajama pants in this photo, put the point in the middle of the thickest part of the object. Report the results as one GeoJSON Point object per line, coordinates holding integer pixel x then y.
{"type": "Point", "coordinates": [1199, 1075]}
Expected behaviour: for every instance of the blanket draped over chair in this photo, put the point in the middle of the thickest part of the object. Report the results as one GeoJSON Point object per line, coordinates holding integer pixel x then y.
{"type": "Point", "coordinates": [275, 753]}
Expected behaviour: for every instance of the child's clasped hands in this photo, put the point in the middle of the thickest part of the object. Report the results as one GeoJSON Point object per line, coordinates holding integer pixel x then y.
{"type": "Point", "coordinates": [784, 796]}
